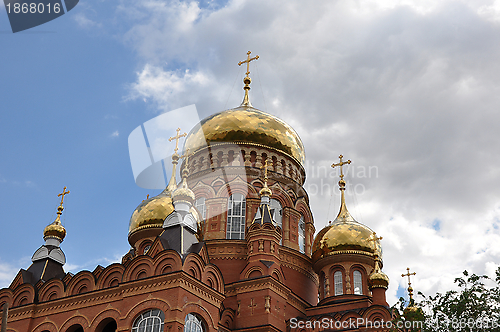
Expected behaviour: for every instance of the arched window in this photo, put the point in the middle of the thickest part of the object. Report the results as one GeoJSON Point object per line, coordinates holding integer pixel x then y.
{"type": "Point", "coordinates": [149, 321]}
{"type": "Point", "coordinates": [199, 204]}
{"type": "Point", "coordinates": [236, 207]}
{"type": "Point", "coordinates": [302, 235]}
{"type": "Point", "coordinates": [193, 324]}
{"type": "Point", "coordinates": [276, 212]}
{"type": "Point", "coordinates": [337, 281]}
{"type": "Point", "coordinates": [358, 283]}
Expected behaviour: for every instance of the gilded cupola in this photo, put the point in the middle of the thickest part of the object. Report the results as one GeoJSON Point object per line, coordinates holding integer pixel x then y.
{"type": "Point", "coordinates": [344, 234]}
{"type": "Point", "coordinates": [246, 124]}
{"type": "Point", "coordinates": [151, 213]}
{"type": "Point", "coordinates": [56, 230]}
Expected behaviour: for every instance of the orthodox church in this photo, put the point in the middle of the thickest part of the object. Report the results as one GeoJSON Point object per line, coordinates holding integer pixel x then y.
{"type": "Point", "coordinates": [229, 248]}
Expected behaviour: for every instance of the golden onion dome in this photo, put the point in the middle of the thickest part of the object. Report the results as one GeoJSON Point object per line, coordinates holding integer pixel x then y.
{"type": "Point", "coordinates": [378, 278]}
{"type": "Point", "coordinates": [151, 213]}
{"type": "Point", "coordinates": [245, 124]}
{"type": "Point", "coordinates": [345, 237]}
{"type": "Point", "coordinates": [55, 229]}
{"type": "Point", "coordinates": [183, 194]}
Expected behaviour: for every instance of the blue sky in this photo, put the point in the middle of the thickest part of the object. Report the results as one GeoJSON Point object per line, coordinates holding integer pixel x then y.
{"type": "Point", "coordinates": [406, 88]}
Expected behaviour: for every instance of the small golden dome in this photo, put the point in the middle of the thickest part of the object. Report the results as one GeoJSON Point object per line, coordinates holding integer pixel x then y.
{"type": "Point", "coordinates": [246, 124]}
{"type": "Point", "coordinates": [55, 229]}
{"type": "Point", "coordinates": [183, 194]}
{"type": "Point", "coordinates": [378, 279]}
{"type": "Point", "coordinates": [344, 237]}
{"type": "Point", "coordinates": [265, 191]}
{"type": "Point", "coordinates": [151, 213]}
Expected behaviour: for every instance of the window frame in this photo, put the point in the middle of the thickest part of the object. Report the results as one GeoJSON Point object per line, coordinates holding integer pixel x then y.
{"type": "Point", "coordinates": [338, 285]}
{"type": "Point", "coordinates": [150, 315]}
{"type": "Point", "coordinates": [232, 202]}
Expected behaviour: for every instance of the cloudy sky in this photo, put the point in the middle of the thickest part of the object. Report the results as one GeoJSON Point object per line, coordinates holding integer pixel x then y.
{"type": "Point", "coordinates": [408, 90]}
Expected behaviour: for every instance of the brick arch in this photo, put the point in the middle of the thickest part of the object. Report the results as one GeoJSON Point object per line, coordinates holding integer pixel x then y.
{"type": "Point", "coordinates": [376, 312]}
{"type": "Point", "coordinates": [6, 296]}
{"type": "Point", "coordinates": [51, 290]}
{"type": "Point", "coordinates": [82, 282]}
{"type": "Point", "coordinates": [148, 304]}
{"type": "Point", "coordinates": [194, 263]}
{"type": "Point", "coordinates": [278, 274]}
{"type": "Point", "coordinates": [46, 326]}
{"type": "Point", "coordinates": [140, 265]}
{"type": "Point", "coordinates": [227, 318]}
{"type": "Point", "coordinates": [103, 315]}
{"type": "Point", "coordinates": [280, 194]}
{"type": "Point", "coordinates": [165, 259]}
{"type": "Point", "coordinates": [195, 308]}
{"type": "Point", "coordinates": [237, 185]}
{"type": "Point", "coordinates": [110, 273]}
{"type": "Point", "coordinates": [75, 320]}
{"type": "Point", "coordinates": [201, 189]}
{"type": "Point", "coordinates": [23, 294]}
{"type": "Point", "coordinates": [253, 269]}
{"type": "Point", "coordinates": [213, 270]}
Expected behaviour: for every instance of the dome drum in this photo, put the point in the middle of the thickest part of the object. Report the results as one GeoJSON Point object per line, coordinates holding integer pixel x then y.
{"type": "Point", "coordinates": [229, 155]}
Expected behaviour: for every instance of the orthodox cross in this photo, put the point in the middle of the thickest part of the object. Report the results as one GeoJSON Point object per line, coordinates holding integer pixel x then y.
{"type": "Point", "coordinates": [176, 137]}
{"type": "Point", "coordinates": [252, 305]}
{"type": "Point", "coordinates": [342, 163]}
{"type": "Point", "coordinates": [247, 61]}
{"type": "Point", "coordinates": [63, 194]}
{"type": "Point", "coordinates": [410, 289]}
{"type": "Point", "coordinates": [374, 239]}
{"type": "Point", "coordinates": [408, 274]}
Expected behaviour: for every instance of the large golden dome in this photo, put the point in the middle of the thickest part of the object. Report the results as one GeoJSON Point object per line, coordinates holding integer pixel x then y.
{"type": "Point", "coordinates": [151, 213]}
{"type": "Point", "coordinates": [246, 124]}
{"type": "Point", "coordinates": [345, 237]}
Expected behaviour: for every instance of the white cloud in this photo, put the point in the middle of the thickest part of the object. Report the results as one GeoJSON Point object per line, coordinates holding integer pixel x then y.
{"type": "Point", "coordinates": [85, 22]}
{"type": "Point", "coordinates": [115, 134]}
{"type": "Point", "coordinates": [7, 274]}
{"type": "Point", "coordinates": [408, 87]}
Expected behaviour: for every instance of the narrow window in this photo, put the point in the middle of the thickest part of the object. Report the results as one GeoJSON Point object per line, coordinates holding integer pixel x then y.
{"type": "Point", "coordinates": [302, 235]}
{"type": "Point", "coordinates": [199, 204]}
{"type": "Point", "coordinates": [276, 212]}
{"type": "Point", "coordinates": [236, 217]}
{"type": "Point", "coordinates": [193, 324]}
{"type": "Point", "coordinates": [337, 280]}
{"type": "Point", "coordinates": [358, 283]}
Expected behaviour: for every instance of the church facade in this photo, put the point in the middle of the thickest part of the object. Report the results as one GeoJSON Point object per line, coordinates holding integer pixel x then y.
{"type": "Point", "coordinates": [229, 248]}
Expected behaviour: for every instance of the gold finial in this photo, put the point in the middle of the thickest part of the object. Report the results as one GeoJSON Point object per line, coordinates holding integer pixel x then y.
{"type": "Point", "coordinates": [177, 137]}
{"type": "Point", "coordinates": [247, 80]}
{"type": "Point", "coordinates": [63, 194]}
{"type": "Point", "coordinates": [410, 289]}
{"type": "Point", "coordinates": [343, 215]}
{"type": "Point", "coordinates": [56, 229]}
{"type": "Point", "coordinates": [374, 239]}
{"type": "Point", "coordinates": [185, 156]}
{"type": "Point", "coordinates": [183, 192]}
{"type": "Point", "coordinates": [265, 191]}
{"type": "Point", "coordinates": [172, 185]}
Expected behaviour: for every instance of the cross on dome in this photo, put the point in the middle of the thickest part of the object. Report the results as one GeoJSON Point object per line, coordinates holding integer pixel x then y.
{"type": "Point", "coordinates": [177, 137]}
{"type": "Point", "coordinates": [63, 194]}
{"type": "Point", "coordinates": [247, 61]}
